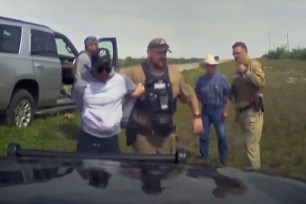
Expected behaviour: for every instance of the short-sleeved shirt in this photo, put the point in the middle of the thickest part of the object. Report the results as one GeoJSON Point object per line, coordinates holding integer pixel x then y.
{"type": "Point", "coordinates": [212, 91]}
{"type": "Point", "coordinates": [102, 111]}
{"type": "Point", "coordinates": [180, 88]}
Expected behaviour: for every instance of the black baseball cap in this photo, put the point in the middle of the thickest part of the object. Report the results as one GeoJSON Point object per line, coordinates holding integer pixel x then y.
{"type": "Point", "coordinates": [101, 60]}
{"type": "Point", "coordinates": [159, 44]}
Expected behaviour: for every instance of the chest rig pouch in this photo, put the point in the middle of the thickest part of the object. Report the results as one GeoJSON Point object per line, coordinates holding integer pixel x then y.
{"type": "Point", "coordinates": [158, 101]}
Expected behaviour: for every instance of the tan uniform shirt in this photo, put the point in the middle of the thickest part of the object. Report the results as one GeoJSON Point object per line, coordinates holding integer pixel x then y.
{"type": "Point", "coordinates": [251, 83]}
{"type": "Point", "coordinates": [181, 90]}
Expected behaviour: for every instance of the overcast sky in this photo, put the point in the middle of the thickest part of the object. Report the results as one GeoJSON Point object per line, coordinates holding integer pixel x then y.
{"type": "Point", "coordinates": [193, 28]}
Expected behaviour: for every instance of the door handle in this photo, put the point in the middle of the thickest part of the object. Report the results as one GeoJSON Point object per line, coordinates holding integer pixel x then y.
{"type": "Point", "coordinates": [39, 66]}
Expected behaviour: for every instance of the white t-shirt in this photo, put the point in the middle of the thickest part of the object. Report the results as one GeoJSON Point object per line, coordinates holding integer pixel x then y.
{"type": "Point", "coordinates": [102, 110]}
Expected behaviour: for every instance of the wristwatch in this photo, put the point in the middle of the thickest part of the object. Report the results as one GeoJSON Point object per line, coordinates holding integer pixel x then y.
{"type": "Point", "coordinates": [197, 116]}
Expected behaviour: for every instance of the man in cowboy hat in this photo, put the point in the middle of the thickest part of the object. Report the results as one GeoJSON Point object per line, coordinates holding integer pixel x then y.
{"type": "Point", "coordinates": [213, 92]}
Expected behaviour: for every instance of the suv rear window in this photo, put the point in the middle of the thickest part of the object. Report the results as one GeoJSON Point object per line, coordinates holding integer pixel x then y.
{"type": "Point", "coordinates": [9, 38]}
{"type": "Point", "coordinates": [43, 44]}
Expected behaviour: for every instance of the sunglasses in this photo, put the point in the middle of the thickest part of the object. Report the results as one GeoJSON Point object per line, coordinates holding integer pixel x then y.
{"type": "Point", "coordinates": [105, 67]}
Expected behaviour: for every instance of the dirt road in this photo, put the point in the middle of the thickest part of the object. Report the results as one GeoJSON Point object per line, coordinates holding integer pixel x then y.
{"type": "Point", "coordinates": [189, 66]}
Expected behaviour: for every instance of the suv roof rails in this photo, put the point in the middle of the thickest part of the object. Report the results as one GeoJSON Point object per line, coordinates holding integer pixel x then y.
{"type": "Point", "coordinates": [15, 150]}
{"type": "Point", "coordinates": [21, 21]}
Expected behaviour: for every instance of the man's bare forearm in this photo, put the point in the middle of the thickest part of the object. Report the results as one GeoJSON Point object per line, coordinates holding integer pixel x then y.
{"type": "Point", "coordinates": [196, 121]}
{"type": "Point", "coordinates": [194, 105]}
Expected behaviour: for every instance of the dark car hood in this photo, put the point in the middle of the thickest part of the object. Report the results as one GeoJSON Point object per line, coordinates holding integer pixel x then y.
{"type": "Point", "coordinates": [94, 181]}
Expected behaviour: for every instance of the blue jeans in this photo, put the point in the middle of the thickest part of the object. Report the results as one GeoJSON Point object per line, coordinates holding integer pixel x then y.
{"type": "Point", "coordinates": [216, 117]}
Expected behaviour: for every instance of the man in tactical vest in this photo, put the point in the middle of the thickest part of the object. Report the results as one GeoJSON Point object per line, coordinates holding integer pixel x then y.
{"type": "Point", "coordinates": [248, 82]}
{"type": "Point", "coordinates": [151, 129]}
{"type": "Point", "coordinates": [82, 62]}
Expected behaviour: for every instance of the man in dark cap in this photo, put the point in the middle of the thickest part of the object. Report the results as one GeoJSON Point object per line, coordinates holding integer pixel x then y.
{"type": "Point", "coordinates": [151, 129]}
{"type": "Point", "coordinates": [82, 63]}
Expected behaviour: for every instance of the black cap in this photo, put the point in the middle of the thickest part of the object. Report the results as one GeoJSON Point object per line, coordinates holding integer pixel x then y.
{"type": "Point", "coordinates": [159, 44]}
{"type": "Point", "coordinates": [101, 59]}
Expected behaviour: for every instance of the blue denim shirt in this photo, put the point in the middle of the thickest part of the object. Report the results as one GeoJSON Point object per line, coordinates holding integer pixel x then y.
{"type": "Point", "coordinates": [212, 91]}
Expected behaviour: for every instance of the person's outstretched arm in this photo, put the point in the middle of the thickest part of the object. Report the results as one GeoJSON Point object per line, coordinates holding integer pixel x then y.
{"type": "Point", "coordinates": [132, 89]}
{"type": "Point", "coordinates": [139, 91]}
{"type": "Point", "coordinates": [188, 95]}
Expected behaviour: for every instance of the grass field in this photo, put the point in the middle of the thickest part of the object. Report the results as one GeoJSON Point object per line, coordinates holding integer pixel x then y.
{"type": "Point", "coordinates": [283, 146]}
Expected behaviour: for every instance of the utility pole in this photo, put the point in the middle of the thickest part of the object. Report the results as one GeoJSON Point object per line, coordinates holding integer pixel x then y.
{"type": "Point", "coordinates": [288, 42]}
{"type": "Point", "coordinates": [269, 40]}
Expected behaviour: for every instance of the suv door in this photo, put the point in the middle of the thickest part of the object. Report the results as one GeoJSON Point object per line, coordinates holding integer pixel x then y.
{"type": "Point", "coordinates": [47, 66]}
{"type": "Point", "coordinates": [111, 45]}
{"type": "Point", "coordinates": [12, 63]}
{"type": "Point", "coordinates": [65, 48]}
{"type": "Point", "coordinates": [67, 54]}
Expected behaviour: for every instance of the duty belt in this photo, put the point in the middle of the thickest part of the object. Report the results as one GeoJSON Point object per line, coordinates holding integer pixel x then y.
{"type": "Point", "coordinates": [241, 110]}
{"type": "Point", "coordinates": [256, 103]}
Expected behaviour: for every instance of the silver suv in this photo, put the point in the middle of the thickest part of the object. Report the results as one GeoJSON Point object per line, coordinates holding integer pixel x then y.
{"type": "Point", "coordinates": [36, 65]}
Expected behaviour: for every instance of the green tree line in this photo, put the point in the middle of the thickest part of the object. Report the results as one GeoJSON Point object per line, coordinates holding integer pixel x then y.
{"type": "Point", "coordinates": [282, 53]}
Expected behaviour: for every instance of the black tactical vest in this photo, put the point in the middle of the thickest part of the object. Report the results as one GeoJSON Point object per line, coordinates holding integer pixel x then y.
{"type": "Point", "coordinates": [158, 100]}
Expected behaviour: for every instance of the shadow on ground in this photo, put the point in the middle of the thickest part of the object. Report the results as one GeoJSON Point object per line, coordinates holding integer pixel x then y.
{"type": "Point", "coordinates": [71, 131]}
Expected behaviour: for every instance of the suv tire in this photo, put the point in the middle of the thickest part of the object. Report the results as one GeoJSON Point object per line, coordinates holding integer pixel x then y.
{"type": "Point", "coordinates": [20, 111]}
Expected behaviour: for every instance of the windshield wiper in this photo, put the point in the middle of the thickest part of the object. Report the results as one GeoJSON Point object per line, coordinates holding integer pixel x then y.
{"type": "Point", "coordinates": [15, 150]}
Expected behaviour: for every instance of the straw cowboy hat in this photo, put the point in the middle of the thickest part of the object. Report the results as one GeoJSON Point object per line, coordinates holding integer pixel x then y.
{"type": "Point", "coordinates": [209, 60]}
